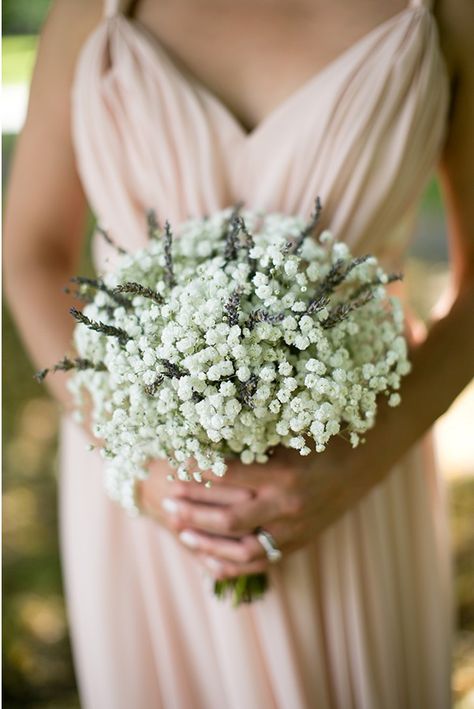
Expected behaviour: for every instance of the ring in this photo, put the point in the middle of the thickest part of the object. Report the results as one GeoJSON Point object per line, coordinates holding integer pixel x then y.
{"type": "Point", "coordinates": [268, 543]}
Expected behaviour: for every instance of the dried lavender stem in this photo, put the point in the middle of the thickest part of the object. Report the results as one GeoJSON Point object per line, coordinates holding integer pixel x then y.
{"type": "Point", "coordinates": [336, 275]}
{"type": "Point", "coordinates": [152, 224]}
{"type": "Point", "coordinates": [83, 296]}
{"type": "Point", "coordinates": [261, 315]}
{"type": "Point", "coordinates": [137, 289]}
{"type": "Point", "coordinates": [247, 390]}
{"type": "Point", "coordinates": [167, 244]}
{"type": "Point", "coordinates": [98, 284]}
{"type": "Point", "coordinates": [99, 326]}
{"type": "Point", "coordinates": [232, 307]}
{"type": "Point", "coordinates": [66, 364]}
{"type": "Point", "coordinates": [105, 235]}
{"type": "Point", "coordinates": [341, 311]}
{"type": "Point", "coordinates": [231, 242]}
{"type": "Point", "coordinates": [151, 389]}
{"type": "Point", "coordinates": [292, 247]}
{"type": "Point", "coordinates": [172, 369]}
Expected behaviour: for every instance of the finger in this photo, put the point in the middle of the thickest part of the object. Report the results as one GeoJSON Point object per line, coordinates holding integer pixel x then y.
{"type": "Point", "coordinates": [243, 550]}
{"type": "Point", "coordinates": [256, 475]}
{"type": "Point", "coordinates": [232, 520]}
{"type": "Point", "coordinates": [216, 494]}
{"type": "Point", "coordinates": [222, 570]}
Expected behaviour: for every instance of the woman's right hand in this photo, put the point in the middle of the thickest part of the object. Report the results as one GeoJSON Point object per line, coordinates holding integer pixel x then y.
{"type": "Point", "coordinates": [159, 498]}
{"type": "Point", "coordinates": [172, 504]}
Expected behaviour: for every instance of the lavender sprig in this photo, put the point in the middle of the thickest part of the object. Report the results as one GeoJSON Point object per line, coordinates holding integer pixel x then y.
{"type": "Point", "coordinates": [66, 364]}
{"type": "Point", "coordinates": [247, 390]}
{"type": "Point", "coordinates": [172, 369]}
{"type": "Point", "coordinates": [81, 294]}
{"type": "Point", "coordinates": [167, 244]}
{"type": "Point", "coordinates": [98, 284]}
{"type": "Point", "coordinates": [342, 310]}
{"type": "Point", "coordinates": [152, 224]}
{"type": "Point", "coordinates": [232, 307]}
{"type": "Point", "coordinates": [137, 289]}
{"type": "Point", "coordinates": [364, 294]}
{"type": "Point", "coordinates": [293, 247]}
{"type": "Point", "coordinates": [335, 276]}
{"type": "Point", "coordinates": [151, 389]}
{"type": "Point", "coordinates": [261, 315]}
{"type": "Point", "coordinates": [391, 278]}
{"type": "Point", "coordinates": [232, 240]}
{"type": "Point", "coordinates": [249, 243]}
{"type": "Point", "coordinates": [99, 326]}
{"type": "Point", "coordinates": [106, 236]}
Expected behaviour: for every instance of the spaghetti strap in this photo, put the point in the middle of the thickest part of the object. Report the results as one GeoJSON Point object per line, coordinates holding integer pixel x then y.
{"type": "Point", "coordinates": [111, 7]}
{"type": "Point", "coordinates": [116, 7]}
{"type": "Point", "coordinates": [428, 4]}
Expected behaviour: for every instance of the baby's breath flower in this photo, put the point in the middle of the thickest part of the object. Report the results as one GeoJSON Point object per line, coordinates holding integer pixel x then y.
{"type": "Point", "coordinates": [228, 336]}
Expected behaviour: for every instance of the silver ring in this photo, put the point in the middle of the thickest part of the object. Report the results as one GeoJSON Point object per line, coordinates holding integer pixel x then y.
{"type": "Point", "coordinates": [269, 545]}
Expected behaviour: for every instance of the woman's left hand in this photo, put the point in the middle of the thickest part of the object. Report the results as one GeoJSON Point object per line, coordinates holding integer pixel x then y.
{"type": "Point", "coordinates": [293, 497]}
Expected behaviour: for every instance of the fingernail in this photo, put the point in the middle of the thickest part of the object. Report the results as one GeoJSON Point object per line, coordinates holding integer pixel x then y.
{"type": "Point", "coordinates": [212, 564]}
{"type": "Point", "coordinates": [170, 505]}
{"type": "Point", "coordinates": [189, 539]}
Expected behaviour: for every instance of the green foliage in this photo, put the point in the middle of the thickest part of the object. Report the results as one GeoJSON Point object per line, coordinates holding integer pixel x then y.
{"type": "Point", "coordinates": [18, 58]}
{"type": "Point", "coordinates": [24, 16]}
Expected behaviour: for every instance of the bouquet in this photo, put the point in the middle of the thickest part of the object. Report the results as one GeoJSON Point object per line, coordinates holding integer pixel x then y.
{"type": "Point", "coordinates": [242, 331]}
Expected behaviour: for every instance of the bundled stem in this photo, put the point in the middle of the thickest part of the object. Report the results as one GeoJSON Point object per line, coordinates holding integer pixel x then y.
{"type": "Point", "coordinates": [242, 589]}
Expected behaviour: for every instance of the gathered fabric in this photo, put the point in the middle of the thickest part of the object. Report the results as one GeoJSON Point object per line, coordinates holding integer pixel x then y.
{"type": "Point", "coordinates": [361, 617]}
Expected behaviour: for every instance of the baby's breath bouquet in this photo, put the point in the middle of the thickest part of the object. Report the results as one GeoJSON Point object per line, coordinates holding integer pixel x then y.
{"type": "Point", "coordinates": [239, 332]}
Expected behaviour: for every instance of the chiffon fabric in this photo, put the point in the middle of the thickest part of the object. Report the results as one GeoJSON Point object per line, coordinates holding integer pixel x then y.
{"type": "Point", "coordinates": [362, 617]}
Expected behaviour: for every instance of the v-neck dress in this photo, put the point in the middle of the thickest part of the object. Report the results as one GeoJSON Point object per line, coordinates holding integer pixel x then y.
{"type": "Point", "coordinates": [361, 617]}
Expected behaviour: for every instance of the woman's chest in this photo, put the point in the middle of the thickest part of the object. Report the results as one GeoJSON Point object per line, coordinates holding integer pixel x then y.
{"type": "Point", "coordinates": [251, 57]}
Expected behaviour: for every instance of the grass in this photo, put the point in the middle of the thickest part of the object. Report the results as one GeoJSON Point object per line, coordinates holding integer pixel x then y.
{"type": "Point", "coordinates": [18, 58]}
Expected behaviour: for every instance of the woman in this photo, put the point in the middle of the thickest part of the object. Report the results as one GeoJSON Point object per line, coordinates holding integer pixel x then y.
{"type": "Point", "coordinates": [189, 107]}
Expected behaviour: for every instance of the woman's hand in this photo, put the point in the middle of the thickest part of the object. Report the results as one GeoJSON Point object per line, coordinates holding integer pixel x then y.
{"type": "Point", "coordinates": [292, 497]}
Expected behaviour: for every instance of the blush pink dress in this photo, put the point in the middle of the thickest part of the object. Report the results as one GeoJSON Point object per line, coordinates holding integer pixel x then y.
{"type": "Point", "coordinates": [361, 618]}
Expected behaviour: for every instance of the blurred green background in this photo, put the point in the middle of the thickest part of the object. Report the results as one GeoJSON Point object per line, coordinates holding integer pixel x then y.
{"type": "Point", "coordinates": [37, 669]}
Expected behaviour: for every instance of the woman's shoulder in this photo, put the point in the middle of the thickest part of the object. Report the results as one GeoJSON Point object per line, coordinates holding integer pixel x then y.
{"type": "Point", "coordinates": [69, 22]}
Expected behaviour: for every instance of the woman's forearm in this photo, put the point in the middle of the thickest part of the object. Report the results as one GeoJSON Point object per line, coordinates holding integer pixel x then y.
{"type": "Point", "coordinates": [36, 297]}
{"type": "Point", "coordinates": [442, 366]}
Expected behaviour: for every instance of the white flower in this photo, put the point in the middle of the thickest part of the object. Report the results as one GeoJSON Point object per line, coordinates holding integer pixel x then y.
{"type": "Point", "coordinates": [247, 457]}
{"type": "Point", "coordinates": [291, 267]}
{"type": "Point", "coordinates": [285, 368]}
{"type": "Point", "coordinates": [243, 373]}
{"type": "Point", "coordinates": [394, 399]}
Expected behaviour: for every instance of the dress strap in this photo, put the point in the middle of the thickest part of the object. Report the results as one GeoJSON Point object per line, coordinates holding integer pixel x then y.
{"type": "Point", "coordinates": [428, 4]}
{"type": "Point", "coordinates": [118, 7]}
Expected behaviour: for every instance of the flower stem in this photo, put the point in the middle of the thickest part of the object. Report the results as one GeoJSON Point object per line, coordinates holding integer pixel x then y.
{"type": "Point", "coordinates": [242, 589]}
